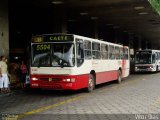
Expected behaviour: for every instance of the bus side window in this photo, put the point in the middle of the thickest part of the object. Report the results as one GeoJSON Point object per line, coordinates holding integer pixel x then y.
{"type": "Point", "coordinates": [117, 52]}
{"type": "Point", "coordinates": [126, 53]}
{"type": "Point", "coordinates": [104, 51]}
{"type": "Point", "coordinates": [121, 53]}
{"type": "Point", "coordinates": [153, 58]}
{"type": "Point", "coordinates": [111, 52]}
{"type": "Point", "coordinates": [87, 49]}
{"type": "Point", "coordinates": [96, 50]}
{"type": "Point", "coordinates": [80, 52]}
{"type": "Point", "coordinates": [156, 56]}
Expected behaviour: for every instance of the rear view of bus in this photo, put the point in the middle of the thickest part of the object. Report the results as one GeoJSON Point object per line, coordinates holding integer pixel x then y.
{"type": "Point", "coordinates": [147, 60]}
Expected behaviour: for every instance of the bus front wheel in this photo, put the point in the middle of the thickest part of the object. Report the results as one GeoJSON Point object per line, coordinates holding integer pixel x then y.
{"type": "Point", "coordinates": [119, 76]}
{"type": "Point", "coordinates": [91, 83]}
{"type": "Point", "coordinates": [157, 69]}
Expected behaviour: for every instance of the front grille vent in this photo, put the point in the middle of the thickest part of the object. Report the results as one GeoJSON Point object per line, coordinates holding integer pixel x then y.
{"type": "Point", "coordinates": [53, 79]}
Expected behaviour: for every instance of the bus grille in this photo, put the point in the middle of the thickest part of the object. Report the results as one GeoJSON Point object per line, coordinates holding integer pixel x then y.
{"type": "Point", "coordinates": [142, 67]}
{"type": "Point", "coordinates": [52, 79]}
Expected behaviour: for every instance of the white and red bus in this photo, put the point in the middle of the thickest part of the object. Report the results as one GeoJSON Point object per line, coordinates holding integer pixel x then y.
{"type": "Point", "coordinates": [147, 60]}
{"type": "Point", "coordinates": [72, 62]}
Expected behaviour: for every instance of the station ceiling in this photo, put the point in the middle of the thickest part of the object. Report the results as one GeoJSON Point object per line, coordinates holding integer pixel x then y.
{"type": "Point", "coordinates": [134, 16]}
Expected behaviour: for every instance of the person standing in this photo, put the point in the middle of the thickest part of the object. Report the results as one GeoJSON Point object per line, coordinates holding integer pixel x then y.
{"type": "Point", "coordinates": [4, 80]}
{"type": "Point", "coordinates": [23, 71]}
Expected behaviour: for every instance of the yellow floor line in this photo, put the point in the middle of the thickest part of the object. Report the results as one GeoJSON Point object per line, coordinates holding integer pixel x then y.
{"type": "Point", "coordinates": [49, 107]}
{"type": "Point", "coordinates": [65, 102]}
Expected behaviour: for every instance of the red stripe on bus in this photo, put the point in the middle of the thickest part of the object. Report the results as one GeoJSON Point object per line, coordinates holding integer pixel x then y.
{"type": "Point", "coordinates": [57, 82]}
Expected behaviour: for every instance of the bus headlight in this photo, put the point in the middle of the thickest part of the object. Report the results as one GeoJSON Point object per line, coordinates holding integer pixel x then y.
{"type": "Point", "coordinates": [69, 80]}
{"type": "Point", "coordinates": [151, 66]}
{"type": "Point", "coordinates": [34, 78]}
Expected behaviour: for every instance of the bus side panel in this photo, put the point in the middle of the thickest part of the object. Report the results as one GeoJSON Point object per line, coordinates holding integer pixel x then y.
{"type": "Point", "coordinates": [81, 81]}
{"type": "Point", "coordinates": [125, 68]}
{"type": "Point", "coordinates": [107, 76]}
{"type": "Point", "coordinates": [126, 72]}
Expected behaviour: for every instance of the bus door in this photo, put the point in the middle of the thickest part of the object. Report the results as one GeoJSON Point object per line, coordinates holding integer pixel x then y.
{"type": "Point", "coordinates": [124, 61]}
{"type": "Point", "coordinates": [155, 61]}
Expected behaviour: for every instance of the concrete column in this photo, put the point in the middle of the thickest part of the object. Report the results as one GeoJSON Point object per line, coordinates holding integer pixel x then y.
{"type": "Point", "coordinates": [4, 28]}
{"type": "Point", "coordinates": [155, 46]}
{"type": "Point", "coordinates": [95, 22]}
{"type": "Point", "coordinates": [139, 43]}
{"type": "Point", "coordinates": [116, 34]}
{"type": "Point", "coordinates": [146, 42]}
{"type": "Point", "coordinates": [130, 44]}
{"type": "Point", "coordinates": [149, 45]}
{"type": "Point", "coordinates": [131, 37]}
{"type": "Point", "coordinates": [64, 26]}
{"type": "Point", "coordinates": [59, 22]}
{"type": "Point", "coordinates": [125, 38]}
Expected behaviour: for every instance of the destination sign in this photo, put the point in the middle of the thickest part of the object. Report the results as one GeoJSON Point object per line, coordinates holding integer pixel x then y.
{"type": "Point", "coordinates": [37, 39]}
{"type": "Point", "coordinates": [53, 38]}
{"type": "Point", "coordinates": [58, 38]}
{"type": "Point", "coordinates": [144, 52]}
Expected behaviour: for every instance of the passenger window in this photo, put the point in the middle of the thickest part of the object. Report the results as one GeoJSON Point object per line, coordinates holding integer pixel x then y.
{"type": "Point", "coordinates": [156, 56]}
{"type": "Point", "coordinates": [111, 52]}
{"type": "Point", "coordinates": [153, 58]}
{"type": "Point", "coordinates": [117, 52]}
{"type": "Point", "coordinates": [104, 51]}
{"type": "Point", "coordinates": [87, 49]}
{"type": "Point", "coordinates": [80, 52]}
{"type": "Point", "coordinates": [126, 53]}
{"type": "Point", "coordinates": [96, 51]}
{"type": "Point", "coordinates": [121, 53]}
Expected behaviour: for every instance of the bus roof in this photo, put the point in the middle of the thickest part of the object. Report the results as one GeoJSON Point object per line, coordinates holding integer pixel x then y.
{"type": "Point", "coordinates": [148, 50]}
{"type": "Point", "coordinates": [81, 37]}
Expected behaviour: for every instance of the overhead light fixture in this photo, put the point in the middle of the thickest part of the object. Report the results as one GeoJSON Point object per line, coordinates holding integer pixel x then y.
{"type": "Point", "coordinates": [143, 13]}
{"type": "Point", "coordinates": [138, 7]}
{"type": "Point", "coordinates": [109, 24]}
{"type": "Point", "coordinates": [71, 20]}
{"type": "Point", "coordinates": [116, 27]}
{"type": "Point", "coordinates": [94, 18]}
{"type": "Point", "coordinates": [125, 31]}
{"type": "Point", "coordinates": [151, 20]}
{"type": "Point", "coordinates": [83, 13]}
{"type": "Point", "coordinates": [155, 23]}
{"type": "Point", "coordinates": [57, 2]}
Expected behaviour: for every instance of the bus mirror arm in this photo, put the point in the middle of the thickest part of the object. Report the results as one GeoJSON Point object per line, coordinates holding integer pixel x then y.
{"type": "Point", "coordinates": [38, 65]}
{"type": "Point", "coordinates": [61, 63]}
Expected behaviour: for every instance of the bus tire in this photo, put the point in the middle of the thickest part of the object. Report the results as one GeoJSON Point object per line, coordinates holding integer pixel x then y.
{"type": "Point", "coordinates": [157, 69]}
{"type": "Point", "coordinates": [91, 83]}
{"type": "Point", "coordinates": [119, 76]}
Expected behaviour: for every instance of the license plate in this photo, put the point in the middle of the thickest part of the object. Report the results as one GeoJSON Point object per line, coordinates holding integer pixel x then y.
{"type": "Point", "coordinates": [56, 86]}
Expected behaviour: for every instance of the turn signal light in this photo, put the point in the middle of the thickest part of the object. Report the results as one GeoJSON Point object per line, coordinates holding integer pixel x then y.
{"type": "Point", "coordinates": [34, 78]}
{"type": "Point", "coordinates": [69, 80]}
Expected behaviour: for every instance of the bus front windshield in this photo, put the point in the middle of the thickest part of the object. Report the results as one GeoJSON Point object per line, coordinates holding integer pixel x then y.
{"type": "Point", "coordinates": [53, 55]}
{"type": "Point", "coordinates": [144, 58]}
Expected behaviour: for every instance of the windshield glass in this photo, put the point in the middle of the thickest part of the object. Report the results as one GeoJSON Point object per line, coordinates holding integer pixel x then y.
{"type": "Point", "coordinates": [142, 58]}
{"type": "Point", "coordinates": [56, 54]}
